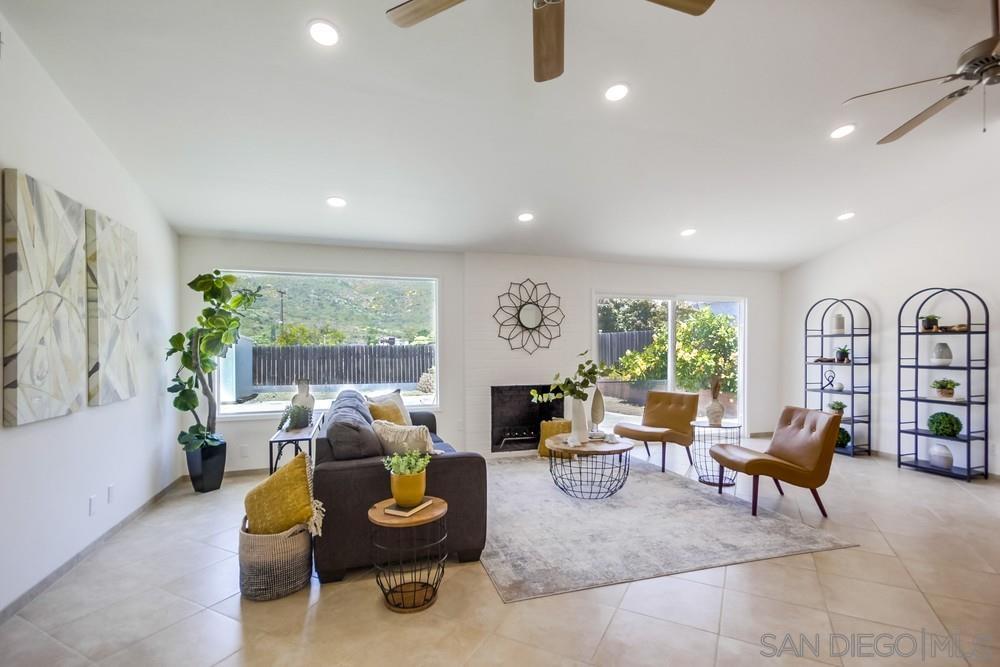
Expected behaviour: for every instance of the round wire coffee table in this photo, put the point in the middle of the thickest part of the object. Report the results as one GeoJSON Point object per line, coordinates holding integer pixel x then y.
{"type": "Point", "coordinates": [592, 470]}
{"type": "Point", "coordinates": [704, 437]}
{"type": "Point", "coordinates": [409, 554]}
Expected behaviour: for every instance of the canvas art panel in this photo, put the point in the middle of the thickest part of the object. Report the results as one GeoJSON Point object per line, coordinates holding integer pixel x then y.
{"type": "Point", "coordinates": [112, 307]}
{"type": "Point", "coordinates": [44, 302]}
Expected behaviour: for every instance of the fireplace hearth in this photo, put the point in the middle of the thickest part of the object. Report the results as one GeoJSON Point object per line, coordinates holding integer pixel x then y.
{"type": "Point", "coordinates": [515, 420]}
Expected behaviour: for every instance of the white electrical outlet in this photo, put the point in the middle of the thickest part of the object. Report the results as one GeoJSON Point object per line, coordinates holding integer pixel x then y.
{"type": "Point", "coordinates": [245, 451]}
{"type": "Point", "coordinates": [91, 505]}
{"type": "Point", "coordinates": [111, 488]}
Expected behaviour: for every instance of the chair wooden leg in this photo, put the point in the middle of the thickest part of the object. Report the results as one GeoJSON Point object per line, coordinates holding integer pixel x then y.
{"type": "Point", "coordinates": [648, 455]}
{"type": "Point", "coordinates": [756, 484]}
{"type": "Point", "coordinates": [663, 458]}
{"type": "Point", "coordinates": [822, 510]}
{"type": "Point", "coordinates": [722, 470]}
{"type": "Point", "coordinates": [778, 484]}
{"type": "Point", "coordinates": [688, 450]}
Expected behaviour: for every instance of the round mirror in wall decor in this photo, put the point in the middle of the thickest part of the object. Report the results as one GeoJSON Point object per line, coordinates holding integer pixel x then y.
{"type": "Point", "coordinates": [944, 382]}
{"type": "Point", "coordinates": [838, 360]}
{"type": "Point", "coordinates": [529, 316]}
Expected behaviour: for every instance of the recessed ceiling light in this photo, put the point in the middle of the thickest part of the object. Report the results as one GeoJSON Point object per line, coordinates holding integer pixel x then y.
{"type": "Point", "coordinates": [844, 217]}
{"type": "Point", "coordinates": [843, 131]}
{"type": "Point", "coordinates": [689, 232]}
{"type": "Point", "coordinates": [526, 217]}
{"type": "Point", "coordinates": [336, 202]}
{"type": "Point", "coordinates": [616, 92]}
{"type": "Point", "coordinates": [323, 32]}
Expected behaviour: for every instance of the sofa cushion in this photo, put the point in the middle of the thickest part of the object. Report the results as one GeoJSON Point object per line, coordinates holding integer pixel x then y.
{"type": "Point", "coordinates": [396, 398]}
{"type": "Point", "coordinates": [355, 400]}
{"type": "Point", "coordinates": [398, 439]}
{"type": "Point", "coordinates": [386, 412]}
{"type": "Point", "coordinates": [349, 428]}
{"type": "Point", "coordinates": [284, 500]}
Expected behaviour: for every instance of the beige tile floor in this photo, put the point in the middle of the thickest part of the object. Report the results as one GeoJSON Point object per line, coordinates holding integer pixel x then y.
{"type": "Point", "coordinates": [165, 591]}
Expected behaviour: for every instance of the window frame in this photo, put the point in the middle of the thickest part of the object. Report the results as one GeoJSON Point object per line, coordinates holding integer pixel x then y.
{"type": "Point", "coordinates": [743, 332]}
{"type": "Point", "coordinates": [435, 407]}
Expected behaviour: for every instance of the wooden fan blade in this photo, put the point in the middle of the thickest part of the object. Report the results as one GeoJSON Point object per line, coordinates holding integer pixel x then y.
{"type": "Point", "coordinates": [413, 12]}
{"type": "Point", "coordinates": [549, 23]}
{"type": "Point", "coordinates": [943, 79]}
{"type": "Point", "coordinates": [692, 7]}
{"type": "Point", "coordinates": [926, 114]}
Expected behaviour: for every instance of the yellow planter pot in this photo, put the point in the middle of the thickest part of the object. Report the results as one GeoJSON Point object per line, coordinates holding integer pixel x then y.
{"type": "Point", "coordinates": [408, 490]}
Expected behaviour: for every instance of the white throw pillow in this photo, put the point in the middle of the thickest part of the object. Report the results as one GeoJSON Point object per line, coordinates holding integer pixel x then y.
{"type": "Point", "coordinates": [394, 397]}
{"type": "Point", "coordinates": [398, 439]}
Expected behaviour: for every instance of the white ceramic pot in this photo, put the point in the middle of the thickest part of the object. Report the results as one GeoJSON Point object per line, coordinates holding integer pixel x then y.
{"type": "Point", "coordinates": [838, 324]}
{"type": "Point", "coordinates": [579, 419]}
{"type": "Point", "coordinates": [940, 456]}
{"type": "Point", "coordinates": [941, 355]}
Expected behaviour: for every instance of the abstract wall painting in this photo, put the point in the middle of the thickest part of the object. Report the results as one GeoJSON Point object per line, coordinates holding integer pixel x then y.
{"type": "Point", "coordinates": [112, 307]}
{"type": "Point", "coordinates": [44, 302]}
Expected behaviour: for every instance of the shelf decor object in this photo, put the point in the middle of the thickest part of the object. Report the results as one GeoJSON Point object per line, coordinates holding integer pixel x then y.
{"type": "Point", "coordinates": [833, 324]}
{"type": "Point", "coordinates": [964, 331]}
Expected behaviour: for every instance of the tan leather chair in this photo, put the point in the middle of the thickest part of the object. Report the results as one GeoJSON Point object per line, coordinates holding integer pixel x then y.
{"type": "Point", "coordinates": [800, 453]}
{"type": "Point", "coordinates": [666, 417]}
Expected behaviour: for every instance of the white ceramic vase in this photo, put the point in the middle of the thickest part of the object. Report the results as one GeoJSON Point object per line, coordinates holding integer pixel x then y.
{"type": "Point", "coordinates": [838, 323]}
{"type": "Point", "coordinates": [941, 355]}
{"type": "Point", "coordinates": [715, 412]}
{"type": "Point", "coordinates": [940, 456]}
{"type": "Point", "coordinates": [579, 418]}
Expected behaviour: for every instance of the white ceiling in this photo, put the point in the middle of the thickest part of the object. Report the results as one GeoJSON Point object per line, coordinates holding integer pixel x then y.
{"type": "Point", "coordinates": [235, 122]}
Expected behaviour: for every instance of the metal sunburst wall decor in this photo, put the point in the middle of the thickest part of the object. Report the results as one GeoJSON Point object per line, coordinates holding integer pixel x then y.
{"type": "Point", "coordinates": [529, 316]}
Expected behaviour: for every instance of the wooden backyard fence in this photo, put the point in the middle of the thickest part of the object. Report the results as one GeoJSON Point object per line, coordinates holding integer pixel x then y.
{"type": "Point", "coordinates": [340, 364]}
{"type": "Point", "coordinates": [611, 345]}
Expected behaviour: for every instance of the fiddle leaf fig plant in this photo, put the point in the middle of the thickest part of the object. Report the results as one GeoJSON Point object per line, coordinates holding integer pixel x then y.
{"type": "Point", "coordinates": [216, 329]}
{"type": "Point", "coordinates": [576, 385]}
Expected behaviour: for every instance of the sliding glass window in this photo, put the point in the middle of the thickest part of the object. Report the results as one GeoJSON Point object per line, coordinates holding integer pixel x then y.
{"type": "Point", "coordinates": [332, 331]}
{"type": "Point", "coordinates": [669, 344]}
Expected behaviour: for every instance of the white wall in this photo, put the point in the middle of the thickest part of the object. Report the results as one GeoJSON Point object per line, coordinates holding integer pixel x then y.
{"type": "Point", "coordinates": [49, 469]}
{"type": "Point", "coordinates": [472, 358]}
{"type": "Point", "coordinates": [198, 255]}
{"type": "Point", "coordinates": [953, 246]}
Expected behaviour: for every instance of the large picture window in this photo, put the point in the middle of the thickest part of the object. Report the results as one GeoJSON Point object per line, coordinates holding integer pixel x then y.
{"type": "Point", "coordinates": [374, 334]}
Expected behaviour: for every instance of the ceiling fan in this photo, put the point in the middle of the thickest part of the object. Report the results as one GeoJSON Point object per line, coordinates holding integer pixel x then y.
{"type": "Point", "coordinates": [548, 19]}
{"type": "Point", "coordinates": [979, 64]}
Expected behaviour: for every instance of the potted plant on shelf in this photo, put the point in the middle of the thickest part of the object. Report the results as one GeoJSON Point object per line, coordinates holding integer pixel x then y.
{"type": "Point", "coordinates": [843, 438]}
{"type": "Point", "coordinates": [944, 425]}
{"type": "Point", "coordinates": [945, 387]}
{"type": "Point", "coordinates": [295, 417]}
{"type": "Point", "coordinates": [843, 354]}
{"type": "Point", "coordinates": [837, 407]}
{"type": "Point", "coordinates": [575, 387]}
{"type": "Point", "coordinates": [216, 329]}
{"type": "Point", "coordinates": [929, 322]}
{"type": "Point", "coordinates": [408, 477]}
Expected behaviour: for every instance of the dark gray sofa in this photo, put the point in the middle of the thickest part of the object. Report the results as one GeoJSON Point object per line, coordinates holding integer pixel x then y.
{"type": "Point", "coordinates": [349, 478]}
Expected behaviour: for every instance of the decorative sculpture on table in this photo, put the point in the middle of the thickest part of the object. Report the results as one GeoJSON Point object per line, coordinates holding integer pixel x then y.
{"type": "Point", "coordinates": [529, 316]}
{"type": "Point", "coordinates": [715, 410]}
{"type": "Point", "coordinates": [303, 397]}
{"type": "Point", "coordinates": [112, 307]}
{"type": "Point", "coordinates": [44, 302]}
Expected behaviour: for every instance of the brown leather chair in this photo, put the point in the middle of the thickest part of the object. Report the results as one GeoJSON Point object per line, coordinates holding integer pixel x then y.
{"type": "Point", "coordinates": [800, 453]}
{"type": "Point", "coordinates": [666, 417]}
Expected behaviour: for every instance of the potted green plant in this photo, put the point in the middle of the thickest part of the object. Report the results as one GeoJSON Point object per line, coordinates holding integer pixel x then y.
{"type": "Point", "coordinates": [843, 438]}
{"type": "Point", "coordinates": [837, 407]}
{"type": "Point", "coordinates": [944, 424]}
{"type": "Point", "coordinates": [929, 322]}
{"type": "Point", "coordinates": [575, 387]}
{"type": "Point", "coordinates": [216, 329]}
{"type": "Point", "coordinates": [843, 354]}
{"type": "Point", "coordinates": [295, 417]}
{"type": "Point", "coordinates": [945, 387]}
{"type": "Point", "coordinates": [408, 477]}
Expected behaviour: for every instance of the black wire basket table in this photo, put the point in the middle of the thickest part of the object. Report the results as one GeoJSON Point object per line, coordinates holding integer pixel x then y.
{"type": "Point", "coordinates": [591, 470]}
{"type": "Point", "coordinates": [409, 554]}
{"type": "Point", "coordinates": [705, 436]}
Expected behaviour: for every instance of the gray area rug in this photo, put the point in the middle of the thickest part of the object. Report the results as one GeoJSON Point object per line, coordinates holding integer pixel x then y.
{"type": "Point", "coordinates": [542, 542]}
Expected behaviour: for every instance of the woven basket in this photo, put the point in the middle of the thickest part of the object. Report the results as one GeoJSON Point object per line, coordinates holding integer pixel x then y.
{"type": "Point", "coordinates": [273, 566]}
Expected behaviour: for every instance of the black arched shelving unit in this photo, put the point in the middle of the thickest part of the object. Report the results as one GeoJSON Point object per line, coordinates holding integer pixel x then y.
{"type": "Point", "coordinates": [821, 340]}
{"type": "Point", "coordinates": [969, 330]}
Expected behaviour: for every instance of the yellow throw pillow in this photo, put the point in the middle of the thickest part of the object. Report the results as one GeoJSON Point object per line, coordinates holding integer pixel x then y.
{"type": "Point", "coordinates": [550, 429]}
{"type": "Point", "coordinates": [284, 500]}
{"type": "Point", "coordinates": [396, 398]}
{"type": "Point", "coordinates": [387, 412]}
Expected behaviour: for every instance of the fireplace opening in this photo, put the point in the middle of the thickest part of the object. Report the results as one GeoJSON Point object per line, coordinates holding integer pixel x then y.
{"type": "Point", "coordinates": [516, 421]}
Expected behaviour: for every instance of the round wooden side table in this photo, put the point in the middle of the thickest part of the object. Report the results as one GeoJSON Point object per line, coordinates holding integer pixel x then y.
{"type": "Point", "coordinates": [409, 554]}
{"type": "Point", "coordinates": [592, 470]}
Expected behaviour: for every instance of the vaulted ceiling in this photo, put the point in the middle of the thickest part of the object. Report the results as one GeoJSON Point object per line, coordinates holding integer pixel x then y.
{"type": "Point", "coordinates": [235, 122]}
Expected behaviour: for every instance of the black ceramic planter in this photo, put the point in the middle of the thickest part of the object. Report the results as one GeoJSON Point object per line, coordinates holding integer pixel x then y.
{"type": "Point", "coordinates": [206, 466]}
